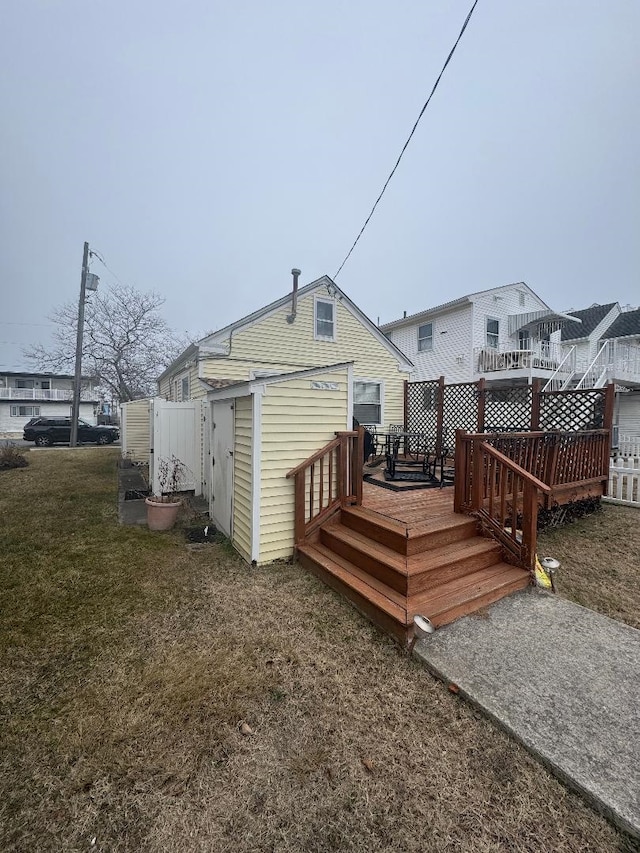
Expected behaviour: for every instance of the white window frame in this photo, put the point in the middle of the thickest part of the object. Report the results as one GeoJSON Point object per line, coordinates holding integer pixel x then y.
{"type": "Point", "coordinates": [15, 412]}
{"type": "Point", "coordinates": [492, 335]}
{"type": "Point", "coordinates": [327, 301]}
{"type": "Point", "coordinates": [185, 378]}
{"type": "Point", "coordinates": [427, 339]}
{"type": "Point", "coordinates": [380, 383]}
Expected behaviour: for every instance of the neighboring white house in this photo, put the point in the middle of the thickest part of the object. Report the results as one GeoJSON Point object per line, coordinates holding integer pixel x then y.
{"type": "Point", "coordinates": [27, 395]}
{"type": "Point", "coordinates": [506, 334]}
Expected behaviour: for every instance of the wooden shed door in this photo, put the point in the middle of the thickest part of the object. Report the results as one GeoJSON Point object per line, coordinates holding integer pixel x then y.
{"type": "Point", "coordinates": [222, 462]}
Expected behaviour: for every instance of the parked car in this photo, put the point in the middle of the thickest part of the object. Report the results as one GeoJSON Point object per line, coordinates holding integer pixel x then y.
{"type": "Point", "coordinates": [48, 431]}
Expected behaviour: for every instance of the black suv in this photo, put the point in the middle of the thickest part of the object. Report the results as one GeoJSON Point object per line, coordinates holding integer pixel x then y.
{"type": "Point", "coordinates": [48, 431]}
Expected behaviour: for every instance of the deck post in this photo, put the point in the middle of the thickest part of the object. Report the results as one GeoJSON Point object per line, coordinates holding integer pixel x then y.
{"type": "Point", "coordinates": [481, 403]}
{"type": "Point", "coordinates": [440, 416]}
{"type": "Point", "coordinates": [343, 469]}
{"type": "Point", "coordinates": [476, 478]}
{"type": "Point", "coordinates": [358, 461]}
{"type": "Point", "coordinates": [529, 526]}
{"type": "Point", "coordinates": [299, 513]}
{"type": "Point", "coordinates": [460, 481]}
{"type": "Point", "coordinates": [609, 402]}
{"type": "Point", "coordinates": [536, 391]}
{"type": "Point", "coordinates": [405, 399]}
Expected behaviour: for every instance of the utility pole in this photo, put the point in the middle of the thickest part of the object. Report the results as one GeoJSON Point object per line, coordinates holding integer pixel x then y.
{"type": "Point", "coordinates": [75, 408]}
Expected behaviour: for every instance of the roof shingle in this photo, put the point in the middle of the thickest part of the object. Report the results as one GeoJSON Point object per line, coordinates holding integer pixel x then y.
{"type": "Point", "coordinates": [627, 323]}
{"type": "Point", "coordinates": [590, 318]}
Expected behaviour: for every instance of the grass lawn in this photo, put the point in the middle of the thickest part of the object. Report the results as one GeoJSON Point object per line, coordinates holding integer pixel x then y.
{"type": "Point", "coordinates": [600, 557]}
{"type": "Point", "coordinates": [130, 664]}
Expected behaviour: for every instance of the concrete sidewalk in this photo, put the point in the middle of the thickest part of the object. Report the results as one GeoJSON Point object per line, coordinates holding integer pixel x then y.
{"type": "Point", "coordinates": [561, 679]}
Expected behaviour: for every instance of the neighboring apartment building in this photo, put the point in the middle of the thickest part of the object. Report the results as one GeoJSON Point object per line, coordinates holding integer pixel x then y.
{"type": "Point", "coordinates": [28, 395]}
{"type": "Point", "coordinates": [506, 334]}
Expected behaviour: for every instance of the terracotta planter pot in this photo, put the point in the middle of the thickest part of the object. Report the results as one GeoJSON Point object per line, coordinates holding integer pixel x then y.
{"type": "Point", "coordinates": [161, 515]}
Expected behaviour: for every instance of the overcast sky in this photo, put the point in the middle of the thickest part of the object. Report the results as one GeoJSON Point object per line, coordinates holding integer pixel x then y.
{"type": "Point", "coordinates": [205, 148]}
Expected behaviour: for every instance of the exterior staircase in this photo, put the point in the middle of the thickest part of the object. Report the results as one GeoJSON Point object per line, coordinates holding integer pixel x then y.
{"type": "Point", "coordinates": [441, 568]}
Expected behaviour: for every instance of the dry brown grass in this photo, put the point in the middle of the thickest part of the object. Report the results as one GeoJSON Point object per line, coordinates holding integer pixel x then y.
{"type": "Point", "coordinates": [129, 663]}
{"type": "Point", "coordinates": [600, 558]}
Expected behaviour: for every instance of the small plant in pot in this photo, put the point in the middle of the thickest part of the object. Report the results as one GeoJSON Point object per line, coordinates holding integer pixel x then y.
{"type": "Point", "coordinates": [162, 509]}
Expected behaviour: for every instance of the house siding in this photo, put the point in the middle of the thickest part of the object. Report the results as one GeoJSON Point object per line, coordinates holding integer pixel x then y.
{"type": "Point", "coordinates": [498, 304]}
{"type": "Point", "coordinates": [242, 477]}
{"type": "Point", "coordinates": [452, 350]}
{"type": "Point", "coordinates": [273, 344]}
{"type": "Point", "coordinates": [135, 430]}
{"type": "Point", "coordinates": [297, 420]}
{"type": "Point", "coordinates": [167, 387]}
{"type": "Point", "coordinates": [628, 414]}
{"type": "Point", "coordinates": [12, 426]}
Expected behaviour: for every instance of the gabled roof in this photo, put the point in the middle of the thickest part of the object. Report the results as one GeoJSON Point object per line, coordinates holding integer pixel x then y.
{"type": "Point", "coordinates": [324, 281]}
{"type": "Point", "coordinates": [455, 303]}
{"type": "Point", "coordinates": [590, 318]}
{"type": "Point", "coordinates": [625, 325]}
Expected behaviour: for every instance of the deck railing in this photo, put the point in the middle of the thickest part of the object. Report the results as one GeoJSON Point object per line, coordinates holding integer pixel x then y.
{"type": "Point", "coordinates": [329, 479]}
{"type": "Point", "coordinates": [503, 478]}
{"type": "Point", "coordinates": [501, 493]}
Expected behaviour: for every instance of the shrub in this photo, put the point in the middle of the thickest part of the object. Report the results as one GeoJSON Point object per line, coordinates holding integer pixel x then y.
{"type": "Point", "coordinates": [12, 457]}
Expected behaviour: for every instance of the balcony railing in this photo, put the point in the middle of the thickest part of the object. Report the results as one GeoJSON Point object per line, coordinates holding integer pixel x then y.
{"type": "Point", "coordinates": [540, 355]}
{"type": "Point", "coordinates": [44, 394]}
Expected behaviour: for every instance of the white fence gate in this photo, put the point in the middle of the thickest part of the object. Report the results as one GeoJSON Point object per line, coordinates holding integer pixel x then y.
{"type": "Point", "coordinates": [176, 431]}
{"type": "Point", "coordinates": [624, 481]}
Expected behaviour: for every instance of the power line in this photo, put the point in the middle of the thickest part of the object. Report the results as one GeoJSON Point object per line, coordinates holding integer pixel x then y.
{"type": "Point", "coordinates": [104, 264]}
{"type": "Point", "coordinates": [406, 144]}
{"type": "Point", "coordinates": [11, 323]}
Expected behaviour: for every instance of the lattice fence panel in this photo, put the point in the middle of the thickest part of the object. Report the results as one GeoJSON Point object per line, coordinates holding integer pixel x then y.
{"type": "Point", "coordinates": [573, 410]}
{"type": "Point", "coordinates": [507, 409]}
{"type": "Point", "coordinates": [460, 410]}
{"type": "Point", "coordinates": [422, 406]}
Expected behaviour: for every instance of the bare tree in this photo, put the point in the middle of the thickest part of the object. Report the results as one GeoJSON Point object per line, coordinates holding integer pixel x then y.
{"type": "Point", "coordinates": [126, 345]}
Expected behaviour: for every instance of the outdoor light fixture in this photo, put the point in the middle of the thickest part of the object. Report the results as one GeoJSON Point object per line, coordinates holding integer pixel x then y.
{"type": "Point", "coordinates": [332, 289]}
{"type": "Point", "coordinates": [422, 628]}
{"type": "Point", "coordinates": [551, 566]}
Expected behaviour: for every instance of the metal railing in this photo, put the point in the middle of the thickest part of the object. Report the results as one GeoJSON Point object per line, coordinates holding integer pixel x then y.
{"type": "Point", "coordinates": [541, 355]}
{"type": "Point", "coordinates": [564, 372]}
{"type": "Point", "coordinates": [329, 479]}
{"type": "Point", "coordinates": [43, 394]}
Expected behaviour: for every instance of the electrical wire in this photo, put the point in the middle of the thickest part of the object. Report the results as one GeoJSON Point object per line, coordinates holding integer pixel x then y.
{"type": "Point", "coordinates": [97, 254]}
{"type": "Point", "coordinates": [406, 144]}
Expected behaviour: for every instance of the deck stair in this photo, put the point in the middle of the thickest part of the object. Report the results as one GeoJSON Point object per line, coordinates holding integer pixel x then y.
{"type": "Point", "coordinates": [391, 569]}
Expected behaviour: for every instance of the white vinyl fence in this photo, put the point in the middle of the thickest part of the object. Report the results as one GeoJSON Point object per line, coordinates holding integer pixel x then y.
{"type": "Point", "coordinates": [624, 481]}
{"type": "Point", "coordinates": [176, 432]}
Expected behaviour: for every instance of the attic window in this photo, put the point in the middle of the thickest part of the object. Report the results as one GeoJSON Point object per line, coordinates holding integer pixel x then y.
{"type": "Point", "coordinates": [521, 297]}
{"type": "Point", "coordinates": [325, 327]}
{"type": "Point", "coordinates": [425, 337]}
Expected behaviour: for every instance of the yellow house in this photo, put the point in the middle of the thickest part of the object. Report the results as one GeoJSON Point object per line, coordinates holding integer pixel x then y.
{"type": "Point", "coordinates": [279, 384]}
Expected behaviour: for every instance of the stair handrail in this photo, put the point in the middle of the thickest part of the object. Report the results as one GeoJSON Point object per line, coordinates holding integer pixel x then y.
{"type": "Point", "coordinates": [549, 384]}
{"type": "Point", "coordinates": [592, 366]}
{"type": "Point", "coordinates": [330, 478]}
{"type": "Point", "coordinates": [501, 494]}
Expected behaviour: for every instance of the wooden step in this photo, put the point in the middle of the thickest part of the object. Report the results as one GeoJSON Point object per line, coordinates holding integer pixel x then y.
{"type": "Point", "coordinates": [376, 559]}
{"type": "Point", "coordinates": [379, 603]}
{"type": "Point", "coordinates": [468, 594]}
{"type": "Point", "coordinates": [430, 533]}
{"type": "Point", "coordinates": [437, 566]}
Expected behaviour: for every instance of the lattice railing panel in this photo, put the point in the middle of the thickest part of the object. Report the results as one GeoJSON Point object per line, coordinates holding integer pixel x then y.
{"type": "Point", "coordinates": [573, 410]}
{"type": "Point", "coordinates": [460, 410]}
{"type": "Point", "coordinates": [422, 406]}
{"type": "Point", "coordinates": [507, 410]}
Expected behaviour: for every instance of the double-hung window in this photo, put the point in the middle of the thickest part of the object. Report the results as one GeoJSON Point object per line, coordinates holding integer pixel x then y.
{"type": "Point", "coordinates": [325, 321]}
{"type": "Point", "coordinates": [425, 337]}
{"type": "Point", "coordinates": [367, 401]}
{"type": "Point", "coordinates": [25, 411]}
{"type": "Point", "coordinates": [184, 389]}
{"type": "Point", "coordinates": [493, 333]}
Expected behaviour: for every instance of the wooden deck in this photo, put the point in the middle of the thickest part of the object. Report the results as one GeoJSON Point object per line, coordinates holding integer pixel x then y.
{"type": "Point", "coordinates": [405, 553]}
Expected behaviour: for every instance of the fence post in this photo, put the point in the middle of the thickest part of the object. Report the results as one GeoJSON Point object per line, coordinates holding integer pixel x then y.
{"type": "Point", "coordinates": [536, 393]}
{"type": "Point", "coordinates": [481, 404]}
{"type": "Point", "coordinates": [440, 416]}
